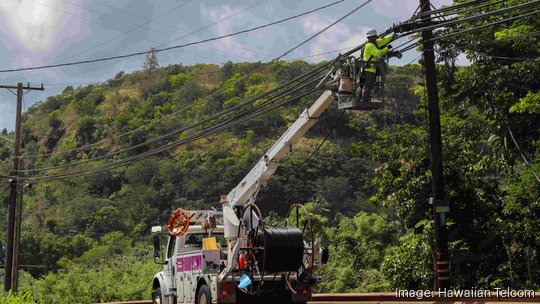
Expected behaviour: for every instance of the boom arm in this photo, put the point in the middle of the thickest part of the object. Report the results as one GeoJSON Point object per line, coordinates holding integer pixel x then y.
{"type": "Point", "coordinates": [246, 191]}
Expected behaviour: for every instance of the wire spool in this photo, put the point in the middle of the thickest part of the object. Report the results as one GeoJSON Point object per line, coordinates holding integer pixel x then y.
{"type": "Point", "coordinates": [251, 258]}
{"type": "Point", "coordinates": [298, 218]}
{"type": "Point", "coordinates": [284, 248]}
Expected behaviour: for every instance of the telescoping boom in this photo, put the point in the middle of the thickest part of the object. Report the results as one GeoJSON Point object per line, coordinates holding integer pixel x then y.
{"type": "Point", "coordinates": [246, 191]}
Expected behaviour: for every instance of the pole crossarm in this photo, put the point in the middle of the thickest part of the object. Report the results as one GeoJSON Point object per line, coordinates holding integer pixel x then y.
{"type": "Point", "coordinates": [28, 87]}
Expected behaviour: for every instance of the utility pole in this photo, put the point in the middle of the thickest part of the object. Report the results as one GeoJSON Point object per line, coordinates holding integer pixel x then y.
{"type": "Point", "coordinates": [441, 206]}
{"type": "Point", "coordinates": [15, 201]}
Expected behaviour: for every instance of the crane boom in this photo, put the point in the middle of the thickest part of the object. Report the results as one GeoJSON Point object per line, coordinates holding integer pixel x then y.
{"type": "Point", "coordinates": [246, 191]}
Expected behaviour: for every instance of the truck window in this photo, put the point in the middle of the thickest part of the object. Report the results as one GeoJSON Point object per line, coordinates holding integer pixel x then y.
{"type": "Point", "coordinates": [170, 248]}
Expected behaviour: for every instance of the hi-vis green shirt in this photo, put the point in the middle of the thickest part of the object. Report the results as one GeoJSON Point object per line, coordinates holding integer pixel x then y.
{"type": "Point", "coordinates": [371, 50]}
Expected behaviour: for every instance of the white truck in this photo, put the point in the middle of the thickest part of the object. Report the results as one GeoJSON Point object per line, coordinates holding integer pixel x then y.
{"type": "Point", "coordinates": [229, 256]}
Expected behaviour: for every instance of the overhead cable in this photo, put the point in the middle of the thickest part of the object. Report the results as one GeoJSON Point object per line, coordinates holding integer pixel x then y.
{"type": "Point", "coordinates": [326, 28]}
{"type": "Point", "coordinates": [277, 58]}
{"type": "Point", "coordinates": [172, 47]}
{"type": "Point", "coordinates": [213, 130]}
{"type": "Point", "coordinates": [475, 17]}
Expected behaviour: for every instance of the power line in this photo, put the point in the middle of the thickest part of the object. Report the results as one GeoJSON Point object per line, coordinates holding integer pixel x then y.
{"type": "Point", "coordinates": [301, 44]}
{"type": "Point", "coordinates": [474, 18]}
{"type": "Point", "coordinates": [445, 12]}
{"type": "Point", "coordinates": [179, 131]}
{"type": "Point", "coordinates": [439, 37]}
{"type": "Point", "coordinates": [326, 28]}
{"type": "Point", "coordinates": [195, 32]}
{"type": "Point", "coordinates": [184, 3]}
{"type": "Point", "coordinates": [277, 58]}
{"type": "Point", "coordinates": [516, 144]}
{"type": "Point", "coordinates": [168, 116]}
{"type": "Point", "coordinates": [449, 8]}
{"type": "Point", "coordinates": [490, 24]}
{"type": "Point", "coordinates": [513, 58]}
{"type": "Point", "coordinates": [317, 149]}
{"type": "Point", "coordinates": [149, 20]}
{"type": "Point", "coordinates": [249, 114]}
{"type": "Point", "coordinates": [250, 110]}
{"type": "Point", "coordinates": [172, 47]}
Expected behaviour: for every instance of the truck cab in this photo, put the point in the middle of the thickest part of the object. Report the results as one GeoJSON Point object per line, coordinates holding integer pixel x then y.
{"type": "Point", "coordinates": [191, 265]}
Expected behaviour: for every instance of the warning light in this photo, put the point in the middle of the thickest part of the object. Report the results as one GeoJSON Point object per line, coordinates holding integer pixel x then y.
{"type": "Point", "coordinates": [304, 292]}
{"type": "Point", "coordinates": [223, 199]}
{"type": "Point", "coordinates": [224, 293]}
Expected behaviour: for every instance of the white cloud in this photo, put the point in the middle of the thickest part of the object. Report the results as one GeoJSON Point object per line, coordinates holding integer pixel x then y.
{"type": "Point", "coordinates": [228, 45]}
{"type": "Point", "coordinates": [402, 9]}
{"type": "Point", "coordinates": [462, 60]}
{"type": "Point", "coordinates": [33, 24]}
{"type": "Point", "coordinates": [337, 37]}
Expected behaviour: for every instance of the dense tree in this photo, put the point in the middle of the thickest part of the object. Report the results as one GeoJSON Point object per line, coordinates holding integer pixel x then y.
{"type": "Point", "coordinates": [151, 62]}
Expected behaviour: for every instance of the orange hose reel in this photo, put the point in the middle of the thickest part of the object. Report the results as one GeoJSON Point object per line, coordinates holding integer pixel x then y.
{"type": "Point", "coordinates": [178, 222]}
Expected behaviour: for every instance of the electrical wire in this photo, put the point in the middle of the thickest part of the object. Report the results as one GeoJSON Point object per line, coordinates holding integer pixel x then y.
{"type": "Point", "coordinates": [184, 3]}
{"type": "Point", "coordinates": [255, 4]}
{"type": "Point", "coordinates": [513, 58]}
{"type": "Point", "coordinates": [168, 116]}
{"type": "Point", "coordinates": [195, 32]}
{"type": "Point", "coordinates": [173, 47]}
{"type": "Point", "coordinates": [213, 130]}
{"type": "Point", "coordinates": [474, 18]}
{"type": "Point", "coordinates": [439, 37]}
{"type": "Point", "coordinates": [516, 144]}
{"type": "Point", "coordinates": [314, 152]}
{"type": "Point", "coordinates": [445, 13]}
{"type": "Point", "coordinates": [311, 37]}
{"type": "Point", "coordinates": [99, 23]}
{"type": "Point", "coordinates": [179, 131]}
{"type": "Point", "coordinates": [488, 25]}
{"type": "Point", "coordinates": [449, 8]}
{"type": "Point", "coordinates": [326, 28]}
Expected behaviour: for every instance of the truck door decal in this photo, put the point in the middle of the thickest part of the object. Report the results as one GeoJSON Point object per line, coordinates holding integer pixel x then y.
{"type": "Point", "coordinates": [188, 263]}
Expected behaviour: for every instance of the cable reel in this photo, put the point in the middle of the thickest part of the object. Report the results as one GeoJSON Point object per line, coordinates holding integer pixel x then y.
{"type": "Point", "coordinates": [298, 218]}
{"type": "Point", "coordinates": [178, 222]}
{"type": "Point", "coordinates": [251, 258]}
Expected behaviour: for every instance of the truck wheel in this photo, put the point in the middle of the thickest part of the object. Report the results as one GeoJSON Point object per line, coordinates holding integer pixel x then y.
{"type": "Point", "coordinates": [203, 295]}
{"type": "Point", "coordinates": [156, 296]}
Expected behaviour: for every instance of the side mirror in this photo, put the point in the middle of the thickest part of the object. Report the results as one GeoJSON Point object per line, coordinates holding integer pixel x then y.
{"type": "Point", "coordinates": [325, 255]}
{"type": "Point", "coordinates": [157, 250]}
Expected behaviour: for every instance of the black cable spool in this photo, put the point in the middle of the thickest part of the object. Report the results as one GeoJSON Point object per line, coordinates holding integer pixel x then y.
{"type": "Point", "coordinates": [284, 248]}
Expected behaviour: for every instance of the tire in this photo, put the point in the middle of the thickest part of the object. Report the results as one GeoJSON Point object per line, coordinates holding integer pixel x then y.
{"type": "Point", "coordinates": [156, 296]}
{"type": "Point", "coordinates": [203, 295]}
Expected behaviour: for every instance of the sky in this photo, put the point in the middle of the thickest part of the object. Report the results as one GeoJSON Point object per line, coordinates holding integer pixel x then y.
{"type": "Point", "coordinates": [42, 32]}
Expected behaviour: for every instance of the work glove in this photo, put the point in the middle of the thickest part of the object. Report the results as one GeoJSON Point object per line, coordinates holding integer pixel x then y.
{"type": "Point", "coordinates": [395, 54]}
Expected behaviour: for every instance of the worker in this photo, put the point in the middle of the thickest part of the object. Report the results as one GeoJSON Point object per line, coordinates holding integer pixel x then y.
{"type": "Point", "coordinates": [374, 48]}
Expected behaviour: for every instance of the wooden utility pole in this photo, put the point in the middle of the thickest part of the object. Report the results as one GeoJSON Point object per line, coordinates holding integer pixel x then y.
{"type": "Point", "coordinates": [15, 201]}
{"type": "Point", "coordinates": [441, 206]}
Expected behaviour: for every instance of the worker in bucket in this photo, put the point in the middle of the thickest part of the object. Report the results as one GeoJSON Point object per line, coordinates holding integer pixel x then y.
{"type": "Point", "coordinates": [374, 48]}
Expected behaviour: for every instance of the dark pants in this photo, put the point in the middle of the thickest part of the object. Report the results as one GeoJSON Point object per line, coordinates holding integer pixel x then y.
{"type": "Point", "coordinates": [368, 86]}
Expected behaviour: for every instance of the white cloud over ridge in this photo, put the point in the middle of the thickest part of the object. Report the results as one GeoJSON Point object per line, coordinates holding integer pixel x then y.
{"type": "Point", "coordinates": [337, 37]}
{"type": "Point", "coordinates": [229, 45]}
